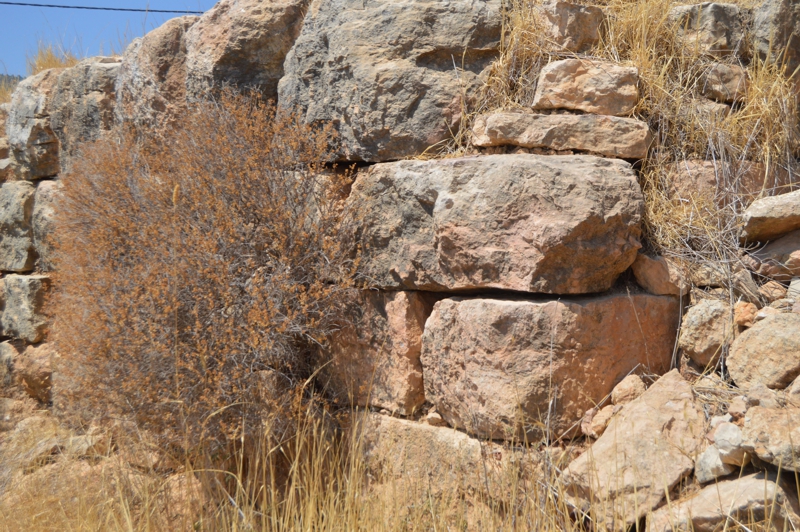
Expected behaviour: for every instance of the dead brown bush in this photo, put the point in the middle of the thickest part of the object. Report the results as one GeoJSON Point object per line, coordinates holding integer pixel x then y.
{"type": "Point", "coordinates": [197, 277]}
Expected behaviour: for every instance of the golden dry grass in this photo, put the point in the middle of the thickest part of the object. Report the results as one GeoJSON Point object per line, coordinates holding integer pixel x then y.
{"type": "Point", "coordinates": [46, 56]}
{"type": "Point", "coordinates": [7, 87]}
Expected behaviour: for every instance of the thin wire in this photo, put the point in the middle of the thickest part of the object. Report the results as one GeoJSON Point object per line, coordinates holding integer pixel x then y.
{"type": "Point", "coordinates": [103, 8]}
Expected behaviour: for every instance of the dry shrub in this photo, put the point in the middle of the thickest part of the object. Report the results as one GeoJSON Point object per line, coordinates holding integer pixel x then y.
{"type": "Point", "coordinates": [198, 277]}
{"type": "Point", "coordinates": [48, 55]}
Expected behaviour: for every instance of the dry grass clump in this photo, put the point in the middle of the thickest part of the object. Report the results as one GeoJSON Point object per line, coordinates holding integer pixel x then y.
{"type": "Point", "coordinates": [197, 278]}
{"type": "Point", "coordinates": [48, 55]}
{"type": "Point", "coordinates": [7, 86]}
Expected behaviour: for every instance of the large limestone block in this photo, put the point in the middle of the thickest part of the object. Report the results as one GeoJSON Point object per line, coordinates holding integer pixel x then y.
{"type": "Point", "coordinates": [753, 498]}
{"type": "Point", "coordinates": [33, 143]}
{"type": "Point", "coordinates": [611, 136]}
{"type": "Point", "coordinates": [43, 221]}
{"type": "Point", "coordinates": [389, 75]}
{"type": "Point", "coordinates": [550, 224]}
{"type": "Point", "coordinates": [376, 360]}
{"type": "Point", "coordinates": [83, 102]}
{"type": "Point", "coordinates": [767, 353]}
{"type": "Point", "coordinates": [151, 87]}
{"type": "Point", "coordinates": [773, 435]}
{"type": "Point", "coordinates": [706, 329]}
{"type": "Point", "coordinates": [241, 43]}
{"type": "Point", "coordinates": [709, 28]}
{"type": "Point", "coordinates": [648, 447]}
{"type": "Point", "coordinates": [660, 276]}
{"type": "Point", "coordinates": [16, 237]}
{"type": "Point", "coordinates": [573, 27]}
{"type": "Point", "coordinates": [597, 87]}
{"type": "Point", "coordinates": [780, 259]}
{"type": "Point", "coordinates": [771, 217]}
{"type": "Point", "coordinates": [776, 33]}
{"type": "Point", "coordinates": [492, 365]}
{"type": "Point", "coordinates": [23, 315]}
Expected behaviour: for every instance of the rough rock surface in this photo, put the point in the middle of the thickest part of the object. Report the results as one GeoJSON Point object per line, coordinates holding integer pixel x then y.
{"type": "Point", "coordinates": [486, 361]}
{"type": "Point", "coordinates": [8, 353]}
{"type": "Point", "coordinates": [83, 102]}
{"type": "Point", "coordinates": [595, 421]}
{"type": "Point", "coordinates": [16, 236]}
{"type": "Point", "coordinates": [706, 328]}
{"type": "Point", "coordinates": [551, 224]}
{"type": "Point", "coordinates": [767, 353]}
{"type": "Point", "coordinates": [660, 276]}
{"type": "Point", "coordinates": [780, 259]}
{"type": "Point", "coordinates": [597, 87]}
{"type": "Point", "coordinates": [376, 361]}
{"type": "Point", "coordinates": [24, 302]}
{"type": "Point", "coordinates": [772, 217]}
{"type": "Point", "coordinates": [573, 27]}
{"type": "Point", "coordinates": [744, 314]}
{"type": "Point", "coordinates": [241, 43]}
{"type": "Point", "coordinates": [383, 72]}
{"type": "Point", "coordinates": [773, 435]}
{"type": "Point", "coordinates": [752, 498]}
{"type": "Point", "coordinates": [773, 290]}
{"type": "Point", "coordinates": [611, 136]}
{"type": "Point", "coordinates": [699, 180]}
{"type": "Point", "coordinates": [648, 447]}
{"type": "Point", "coordinates": [34, 370]}
{"type": "Point", "coordinates": [776, 32]}
{"type": "Point", "coordinates": [626, 391]}
{"type": "Point", "coordinates": [151, 88]}
{"type": "Point", "coordinates": [725, 83]}
{"type": "Point", "coordinates": [33, 143]}
{"type": "Point", "coordinates": [709, 466]}
{"type": "Point", "coordinates": [710, 28]}
{"type": "Point", "coordinates": [43, 222]}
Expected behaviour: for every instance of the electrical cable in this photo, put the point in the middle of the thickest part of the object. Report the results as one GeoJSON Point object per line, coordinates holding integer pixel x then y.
{"type": "Point", "coordinates": [130, 10]}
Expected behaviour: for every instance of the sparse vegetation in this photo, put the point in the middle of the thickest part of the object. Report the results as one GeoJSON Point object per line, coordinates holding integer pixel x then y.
{"type": "Point", "coordinates": [48, 55]}
{"type": "Point", "coordinates": [7, 86]}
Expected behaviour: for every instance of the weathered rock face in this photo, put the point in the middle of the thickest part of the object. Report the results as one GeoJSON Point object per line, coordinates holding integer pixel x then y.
{"type": "Point", "coordinates": [83, 102]}
{"type": "Point", "coordinates": [383, 72]}
{"type": "Point", "coordinates": [772, 217]}
{"type": "Point", "coordinates": [773, 435]}
{"type": "Point", "coordinates": [767, 353]}
{"type": "Point", "coordinates": [626, 391]}
{"type": "Point", "coordinates": [710, 28]}
{"type": "Point", "coordinates": [574, 27]}
{"type": "Point", "coordinates": [376, 361]}
{"type": "Point", "coordinates": [551, 224]}
{"type": "Point", "coordinates": [16, 237]}
{"type": "Point", "coordinates": [648, 447]}
{"type": "Point", "coordinates": [34, 370]}
{"type": "Point", "coordinates": [709, 466]}
{"type": "Point", "coordinates": [43, 223]}
{"type": "Point", "coordinates": [486, 361]}
{"type": "Point", "coordinates": [695, 179]}
{"type": "Point", "coordinates": [725, 83]}
{"type": "Point", "coordinates": [610, 136]}
{"type": "Point", "coordinates": [752, 498]}
{"type": "Point", "coordinates": [660, 276]}
{"type": "Point", "coordinates": [8, 353]}
{"type": "Point", "coordinates": [776, 32]}
{"type": "Point", "coordinates": [591, 86]}
{"type": "Point", "coordinates": [780, 259]}
{"type": "Point", "coordinates": [23, 316]}
{"type": "Point", "coordinates": [33, 143]}
{"type": "Point", "coordinates": [241, 43]}
{"type": "Point", "coordinates": [706, 328]}
{"type": "Point", "coordinates": [151, 89]}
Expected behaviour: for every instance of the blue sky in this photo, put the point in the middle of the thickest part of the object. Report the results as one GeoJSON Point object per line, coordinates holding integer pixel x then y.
{"type": "Point", "coordinates": [83, 32]}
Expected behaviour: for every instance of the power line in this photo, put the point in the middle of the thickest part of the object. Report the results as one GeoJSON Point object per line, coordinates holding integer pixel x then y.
{"type": "Point", "coordinates": [130, 10]}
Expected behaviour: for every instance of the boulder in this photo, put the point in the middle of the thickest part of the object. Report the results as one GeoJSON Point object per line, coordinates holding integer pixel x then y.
{"type": "Point", "coordinates": [597, 87]}
{"type": "Point", "coordinates": [390, 76]}
{"type": "Point", "coordinates": [549, 224]}
{"type": "Point", "coordinates": [83, 103]}
{"type": "Point", "coordinates": [34, 145]}
{"type": "Point", "coordinates": [241, 43]}
{"type": "Point", "coordinates": [776, 33]}
{"type": "Point", "coordinates": [23, 316]}
{"type": "Point", "coordinates": [709, 466]}
{"type": "Point", "coordinates": [499, 367]}
{"type": "Point", "coordinates": [648, 447]}
{"type": "Point", "coordinates": [724, 83]}
{"type": "Point", "coordinates": [750, 499]}
{"type": "Point", "coordinates": [767, 353]}
{"type": "Point", "coordinates": [744, 314]}
{"type": "Point", "coordinates": [773, 435]}
{"type": "Point", "coordinates": [709, 28]}
{"type": "Point", "coordinates": [375, 361]}
{"type": "Point", "coordinates": [572, 27]}
{"type": "Point", "coordinates": [660, 276]}
{"type": "Point", "coordinates": [34, 370]}
{"type": "Point", "coordinates": [771, 217]}
{"type": "Point", "coordinates": [43, 221]}
{"type": "Point", "coordinates": [772, 291]}
{"type": "Point", "coordinates": [728, 440]}
{"type": "Point", "coordinates": [610, 136]}
{"type": "Point", "coordinates": [626, 391]}
{"type": "Point", "coordinates": [779, 260]}
{"type": "Point", "coordinates": [151, 86]}
{"type": "Point", "coordinates": [707, 327]}
{"type": "Point", "coordinates": [16, 236]}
